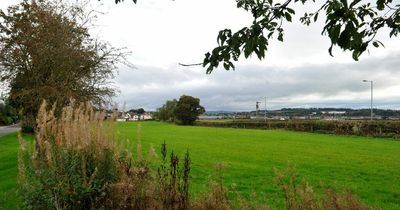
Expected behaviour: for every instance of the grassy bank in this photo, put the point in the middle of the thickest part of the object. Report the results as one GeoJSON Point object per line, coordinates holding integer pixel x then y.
{"type": "Point", "coordinates": [368, 167]}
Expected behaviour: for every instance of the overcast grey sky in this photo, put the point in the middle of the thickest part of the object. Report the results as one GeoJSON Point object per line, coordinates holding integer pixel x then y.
{"type": "Point", "coordinates": [296, 73]}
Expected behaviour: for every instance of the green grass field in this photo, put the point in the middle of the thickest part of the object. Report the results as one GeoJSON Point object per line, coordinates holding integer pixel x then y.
{"type": "Point", "coordinates": [368, 167]}
{"type": "Point", "coordinates": [8, 171]}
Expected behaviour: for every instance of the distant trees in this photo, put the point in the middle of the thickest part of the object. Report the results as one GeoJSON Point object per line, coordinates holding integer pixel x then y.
{"type": "Point", "coordinates": [188, 109]}
{"type": "Point", "coordinates": [137, 111]}
{"type": "Point", "coordinates": [8, 114]}
{"type": "Point", "coordinates": [46, 52]}
{"type": "Point", "coordinates": [185, 111]}
{"type": "Point", "coordinates": [166, 112]}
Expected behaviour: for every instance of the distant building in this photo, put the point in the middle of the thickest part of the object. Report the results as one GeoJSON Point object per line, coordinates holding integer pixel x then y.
{"type": "Point", "coordinates": [138, 117]}
{"type": "Point", "coordinates": [123, 117]}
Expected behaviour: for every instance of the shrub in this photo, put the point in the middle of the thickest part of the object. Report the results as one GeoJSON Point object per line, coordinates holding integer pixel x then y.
{"type": "Point", "coordinates": [27, 128]}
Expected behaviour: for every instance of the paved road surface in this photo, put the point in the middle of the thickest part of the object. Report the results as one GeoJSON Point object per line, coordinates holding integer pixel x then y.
{"type": "Point", "coordinates": [4, 130]}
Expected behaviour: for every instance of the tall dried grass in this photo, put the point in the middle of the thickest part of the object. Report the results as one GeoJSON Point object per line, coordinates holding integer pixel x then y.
{"type": "Point", "coordinates": [76, 163]}
{"type": "Point", "coordinates": [72, 164]}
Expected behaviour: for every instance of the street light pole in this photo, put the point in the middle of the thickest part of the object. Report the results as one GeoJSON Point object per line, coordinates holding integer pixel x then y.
{"type": "Point", "coordinates": [265, 107]}
{"type": "Point", "coordinates": [372, 97]}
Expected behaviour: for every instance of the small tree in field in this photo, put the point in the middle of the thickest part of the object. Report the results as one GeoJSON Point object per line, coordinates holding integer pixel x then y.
{"type": "Point", "coordinates": [188, 110]}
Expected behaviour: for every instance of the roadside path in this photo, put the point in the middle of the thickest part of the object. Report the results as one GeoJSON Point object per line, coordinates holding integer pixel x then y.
{"type": "Point", "coordinates": [4, 130]}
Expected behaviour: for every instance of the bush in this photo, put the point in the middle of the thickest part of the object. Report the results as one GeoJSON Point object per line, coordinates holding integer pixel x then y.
{"type": "Point", "coordinates": [27, 128]}
{"type": "Point", "coordinates": [28, 124]}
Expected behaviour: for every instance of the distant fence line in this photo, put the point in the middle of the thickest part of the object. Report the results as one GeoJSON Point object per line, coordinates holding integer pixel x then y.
{"type": "Point", "coordinates": [386, 128]}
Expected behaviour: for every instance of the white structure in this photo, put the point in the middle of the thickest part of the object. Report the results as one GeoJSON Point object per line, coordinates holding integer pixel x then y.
{"type": "Point", "coordinates": [137, 117]}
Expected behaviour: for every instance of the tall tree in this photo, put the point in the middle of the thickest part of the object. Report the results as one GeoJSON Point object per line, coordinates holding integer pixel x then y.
{"type": "Point", "coordinates": [188, 110]}
{"type": "Point", "coordinates": [46, 52]}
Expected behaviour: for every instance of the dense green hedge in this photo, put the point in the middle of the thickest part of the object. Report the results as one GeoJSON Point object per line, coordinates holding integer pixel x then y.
{"type": "Point", "coordinates": [363, 128]}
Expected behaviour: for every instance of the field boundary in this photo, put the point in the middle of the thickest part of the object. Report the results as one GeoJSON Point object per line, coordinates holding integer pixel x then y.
{"type": "Point", "coordinates": [385, 129]}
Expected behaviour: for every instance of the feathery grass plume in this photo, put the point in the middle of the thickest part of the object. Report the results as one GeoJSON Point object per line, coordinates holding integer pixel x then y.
{"type": "Point", "coordinates": [73, 160]}
{"type": "Point", "coordinates": [151, 154]}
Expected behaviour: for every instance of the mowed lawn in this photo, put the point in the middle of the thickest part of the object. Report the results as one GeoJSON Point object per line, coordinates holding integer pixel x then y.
{"type": "Point", "coordinates": [368, 167]}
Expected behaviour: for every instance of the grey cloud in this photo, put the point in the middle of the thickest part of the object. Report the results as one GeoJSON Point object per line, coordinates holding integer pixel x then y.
{"type": "Point", "coordinates": [327, 85]}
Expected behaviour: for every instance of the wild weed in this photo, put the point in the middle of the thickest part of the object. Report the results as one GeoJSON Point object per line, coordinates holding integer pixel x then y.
{"type": "Point", "coordinates": [300, 195]}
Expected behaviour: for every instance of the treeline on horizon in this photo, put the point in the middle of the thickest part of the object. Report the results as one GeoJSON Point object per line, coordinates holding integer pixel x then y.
{"type": "Point", "coordinates": [316, 111]}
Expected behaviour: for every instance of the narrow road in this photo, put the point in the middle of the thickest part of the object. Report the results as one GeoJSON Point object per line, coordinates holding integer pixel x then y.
{"type": "Point", "coordinates": [4, 130]}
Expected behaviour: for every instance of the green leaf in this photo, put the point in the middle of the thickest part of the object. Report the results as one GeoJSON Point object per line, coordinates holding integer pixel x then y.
{"type": "Point", "coordinates": [288, 17]}
{"type": "Point", "coordinates": [344, 39]}
{"type": "Point", "coordinates": [291, 11]}
{"type": "Point", "coordinates": [380, 43]}
{"type": "Point", "coordinates": [356, 54]}
{"type": "Point", "coordinates": [375, 44]}
{"type": "Point", "coordinates": [344, 2]}
{"type": "Point", "coordinates": [334, 33]}
{"type": "Point", "coordinates": [380, 4]}
{"type": "Point", "coordinates": [354, 3]}
{"type": "Point", "coordinates": [232, 66]}
{"type": "Point", "coordinates": [274, 24]}
{"type": "Point", "coordinates": [330, 50]}
{"type": "Point", "coordinates": [280, 37]}
{"type": "Point", "coordinates": [315, 17]}
{"type": "Point", "coordinates": [226, 66]}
